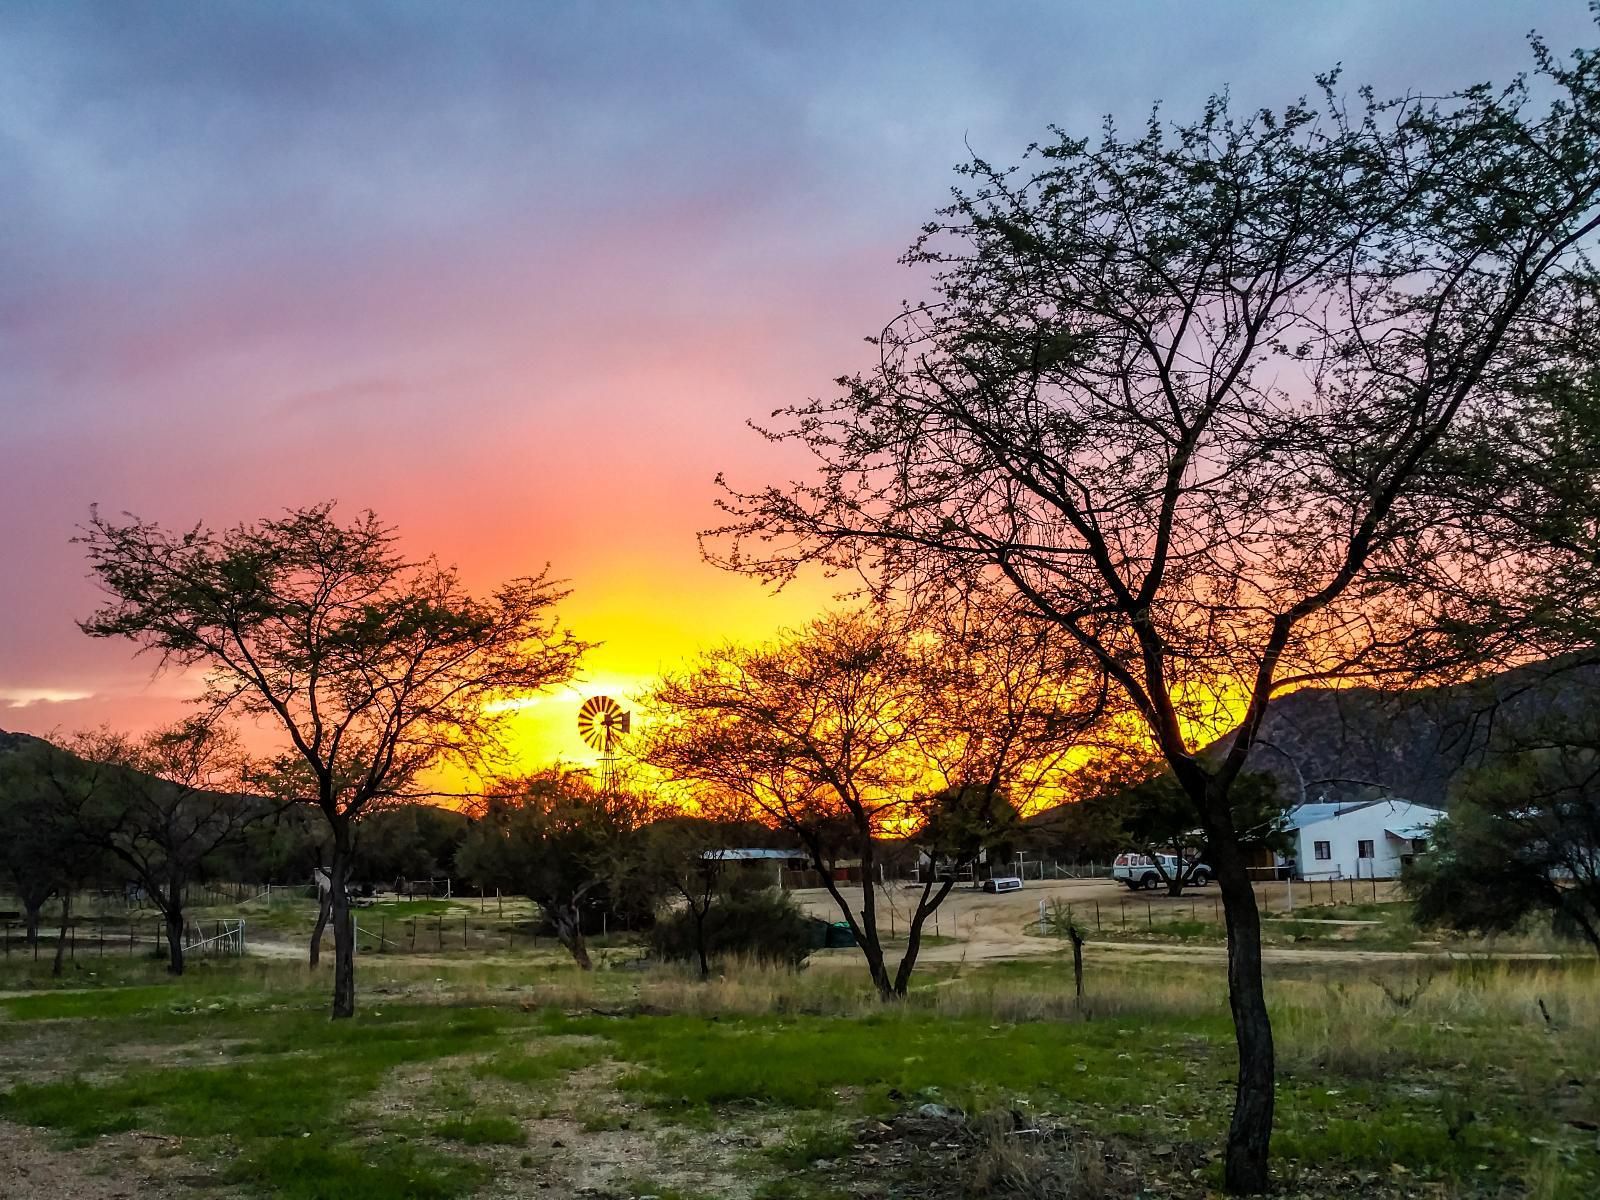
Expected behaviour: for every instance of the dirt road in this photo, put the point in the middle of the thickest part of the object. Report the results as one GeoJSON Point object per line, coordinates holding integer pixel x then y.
{"type": "Point", "coordinates": [984, 926]}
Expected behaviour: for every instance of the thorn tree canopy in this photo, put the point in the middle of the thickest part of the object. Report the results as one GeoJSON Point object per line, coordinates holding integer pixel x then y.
{"type": "Point", "coordinates": [861, 726]}
{"type": "Point", "coordinates": [1209, 398]}
{"type": "Point", "coordinates": [373, 668]}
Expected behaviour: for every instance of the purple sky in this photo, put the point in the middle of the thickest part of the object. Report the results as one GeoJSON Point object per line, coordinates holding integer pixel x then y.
{"type": "Point", "coordinates": [515, 274]}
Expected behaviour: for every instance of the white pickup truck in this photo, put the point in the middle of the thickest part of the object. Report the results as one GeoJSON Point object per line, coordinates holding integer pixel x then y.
{"type": "Point", "coordinates": [1139, 871]}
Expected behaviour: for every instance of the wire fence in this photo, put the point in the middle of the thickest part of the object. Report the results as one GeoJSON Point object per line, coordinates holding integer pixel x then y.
{"type": "Point", "coordinates": [101, 940]}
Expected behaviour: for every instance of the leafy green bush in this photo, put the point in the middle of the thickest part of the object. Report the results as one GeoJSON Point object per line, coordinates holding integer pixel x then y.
{"type": "Point", "coordinates": [765, 925]}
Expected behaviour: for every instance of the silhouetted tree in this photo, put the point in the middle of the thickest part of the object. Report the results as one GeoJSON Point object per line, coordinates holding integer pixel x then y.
{"type": "Point", "coordinates": [835, 733]}
{"type": "Point", "coordinates": [1522, 836]}
{"type": "Point", "coordinates": [49, 802]}
{"type": "Point", "coordinates": [169, 801]}
{"type": "Point", "coordinates": [1219, 400]}
{"type": "Point", "coordinates": [567, 844]}
{"type": "Point", "coordinates": [374, 668]}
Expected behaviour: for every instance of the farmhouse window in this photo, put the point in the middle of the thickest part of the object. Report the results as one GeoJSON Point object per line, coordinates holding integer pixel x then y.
{"type": "Point", "coordinates": [1324, 851]}
{"type": "Point", "coordinates": [1364, 849]}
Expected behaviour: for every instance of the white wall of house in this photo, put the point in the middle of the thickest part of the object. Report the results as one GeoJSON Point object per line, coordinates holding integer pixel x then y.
{"type": "Point", "coordinates": [1365, 841]}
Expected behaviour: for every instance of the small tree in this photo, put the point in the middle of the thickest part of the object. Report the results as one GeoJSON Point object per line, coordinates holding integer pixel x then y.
{"type": "Point", "coordinates": [171, 800]}
{"type": "Point", "coordinates": [688, 851]}
{"type": "Point", "coordinates": [373, 668]}
{"type": "Point", "coordinates": [1522, 837]}
{"type": "Point", "coordinates": [570, 846]}
{"type": "Point", "coordinates": [49, 797]}
{"type": "Point", "coordinates": [835, 733]}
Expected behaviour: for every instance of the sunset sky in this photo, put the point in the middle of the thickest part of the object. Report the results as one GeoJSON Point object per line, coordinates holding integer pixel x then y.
{"type": "Point", "coordinates": [515, 275]}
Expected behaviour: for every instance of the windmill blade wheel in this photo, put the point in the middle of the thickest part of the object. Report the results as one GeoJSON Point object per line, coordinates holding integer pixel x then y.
{"type": "Point", "coordinates": [601, 721]}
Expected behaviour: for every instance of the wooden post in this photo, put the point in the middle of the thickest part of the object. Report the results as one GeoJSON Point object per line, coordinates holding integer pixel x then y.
{"type": "Point", "coordinates": [439, 929]}
{"type": "Point", "coordinates": [1096, 915]}
{"type": "Point", "coordinates": [383, 929]}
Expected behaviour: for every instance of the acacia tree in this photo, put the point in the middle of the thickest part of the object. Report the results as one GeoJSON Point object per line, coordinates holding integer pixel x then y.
{"type": "Point", "coordinates": [172, 800]}
{"type": "Point", "coordinates": [1522, 836]}
{"type": "Point", "coordinates": [374, 668]}
{"type": "Point", "coordinates": [835, 733]}
{"type": "Point", "coordinates": [1212, 399]}
{"type": "Point", "coordinates": [570, 846]}
{"type": "Point", "coordinates": [688, 855]}
{"type": "Point", "coordinates": [45, 792]}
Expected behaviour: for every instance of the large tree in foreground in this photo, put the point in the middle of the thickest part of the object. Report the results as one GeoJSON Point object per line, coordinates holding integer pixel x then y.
{"type": "Point", "coordinates": [373, 668]}
{"type": "Point", "coordinates": [1222, 401]}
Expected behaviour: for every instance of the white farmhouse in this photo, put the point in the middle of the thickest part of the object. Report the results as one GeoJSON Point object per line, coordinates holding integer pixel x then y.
{"type": "Point", "coordinates": [1370, 840]}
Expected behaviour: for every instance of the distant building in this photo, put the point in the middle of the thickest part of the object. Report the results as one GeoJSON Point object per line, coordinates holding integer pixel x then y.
{"type": "Point", "coordinates": [1368, 840]}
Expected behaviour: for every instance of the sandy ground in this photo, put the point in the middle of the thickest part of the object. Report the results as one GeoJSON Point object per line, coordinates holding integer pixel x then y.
{"type": "Point", "coordinates": [986, 926]}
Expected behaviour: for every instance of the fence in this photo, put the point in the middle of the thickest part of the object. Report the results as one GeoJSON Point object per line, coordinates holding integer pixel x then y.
{"type": "Point", "coordinates": [791, 878]}
{"type": "Point", "coordinates": [215, 938]}
{"type": "Point", "coordinates": [1132, 912]}
{"type": "Point", "coordinates": [439, 934]}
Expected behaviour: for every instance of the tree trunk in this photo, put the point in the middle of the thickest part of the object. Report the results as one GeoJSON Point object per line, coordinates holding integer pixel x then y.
{"type": "Point", "coordinates": [1245, 1169]}
{"type": "Point", "coordinates": [61, 937]}
{"type": "Point", "coordinates": [171, 902]}
{"type": "Point", "coordinates": [31, 913]}
{"type": "Point", "coordinates": [569, 930]}
{"type": "Point", "coordinates": [174, 919]}
{"type": "Point", "coordinates": [324, 910]}
{"type": "Point", "coordinates": [344, 932]}
{"type": "Point", "coordinates": [925, 909]}
{"type": "Point", "coordinates": [869, 922]}
{"type": "Point", "coordinates": [700, 939]}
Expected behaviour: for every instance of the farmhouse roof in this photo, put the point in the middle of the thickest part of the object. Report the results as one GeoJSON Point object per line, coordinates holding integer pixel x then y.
{"type": "Point", "coordinates": [1311, 814]}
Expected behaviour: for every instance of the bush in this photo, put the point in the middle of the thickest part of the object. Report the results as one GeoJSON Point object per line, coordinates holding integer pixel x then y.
{"type": "Point", "coordinates": [765, 925]}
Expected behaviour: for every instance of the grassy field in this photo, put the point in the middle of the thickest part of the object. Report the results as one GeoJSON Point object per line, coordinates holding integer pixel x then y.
{"type": "Point", "coordinates": [520, 1076]}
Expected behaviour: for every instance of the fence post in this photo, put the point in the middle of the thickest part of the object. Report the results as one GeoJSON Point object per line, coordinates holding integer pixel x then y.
{"type": "Point", "coordinates": [1149, 919]}
{"type": "Point", "coordinates": [439, 929]}
{"type": "Point", "coordinates": [383, 928]}
{"type": "Point", "coordinates": [1352, 891]}
{"type": "Point", "coordinates": [1097, 916]}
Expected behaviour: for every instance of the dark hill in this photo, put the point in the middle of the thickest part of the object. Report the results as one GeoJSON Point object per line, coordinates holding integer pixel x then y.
{"type": "Point", "coordinates": [1349, 744]}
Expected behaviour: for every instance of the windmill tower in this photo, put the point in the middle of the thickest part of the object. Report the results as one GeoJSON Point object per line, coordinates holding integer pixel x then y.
{"type": "Point", "coordinates": [601, 723]}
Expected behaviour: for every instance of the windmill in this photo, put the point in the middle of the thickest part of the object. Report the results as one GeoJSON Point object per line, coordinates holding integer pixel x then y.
{"type": "Point", "coordinates": [601, 723]}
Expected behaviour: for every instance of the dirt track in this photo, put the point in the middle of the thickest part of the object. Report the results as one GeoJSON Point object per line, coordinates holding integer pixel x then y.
{"type": "Point", "coordinates": [986, 926]}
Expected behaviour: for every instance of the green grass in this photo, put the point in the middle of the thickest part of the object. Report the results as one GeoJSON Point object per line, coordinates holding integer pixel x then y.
{"type": "Point", "coordinates": [483, 1130]}
{"type": "Point", "coordinates": [810, 1062]}
{"type": "Point", "coordinates": [245, 1067]}
{"type": "Point", "coordinates": [319, 1168]}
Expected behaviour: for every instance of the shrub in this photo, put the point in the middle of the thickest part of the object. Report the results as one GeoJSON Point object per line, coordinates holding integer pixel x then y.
{"type": "Point", "coordinates": [763, 925]}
